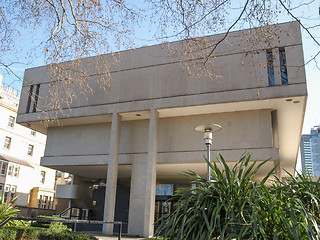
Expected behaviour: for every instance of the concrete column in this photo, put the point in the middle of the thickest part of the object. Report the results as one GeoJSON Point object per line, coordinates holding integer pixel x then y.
{"type": "Point", "coordinates": [143, 185]}
{"type": "Point", "coordinates": [112, 174]}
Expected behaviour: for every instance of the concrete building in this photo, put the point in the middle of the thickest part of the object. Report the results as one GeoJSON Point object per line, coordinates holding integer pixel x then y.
{"type": "Point", "coordinates": [120, 143]}
{"type": "Point", "coordinates": [309, 149]}
{"type": "Point", "coordinates": [20, 153]}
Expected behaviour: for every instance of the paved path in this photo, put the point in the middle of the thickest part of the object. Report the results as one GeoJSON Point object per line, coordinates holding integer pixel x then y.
{"type": "Point", "coordinates": [116, 238]}
{"type": "Point", "coordinates": [103, 237]}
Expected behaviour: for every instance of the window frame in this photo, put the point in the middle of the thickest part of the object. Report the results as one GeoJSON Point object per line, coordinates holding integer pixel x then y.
{"type": "Point", "coordinates": [11, 121]}
{"type": "Point", "coordinates": [16, 171]}
{"type": "Point", "coordinates": [30, 150]}
{"type": "Point", "coordinates": [4, 165]}
{"type": "Point", "coordinates": [43, 177]}
{"type": "Point", "coordinates": [7, 142]}
{"type": "Point", "coordinates": [270, 68]}
{"type": "Point", "coordinates": [13, 191]}
{"type": "Point", "coordinates": [10, 169]}
{"type": "Point", "coordinates": [283, 67]}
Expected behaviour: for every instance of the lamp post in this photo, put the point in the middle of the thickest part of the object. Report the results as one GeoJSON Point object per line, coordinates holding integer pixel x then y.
{"type": "Point", "coordinates": [208, 129]}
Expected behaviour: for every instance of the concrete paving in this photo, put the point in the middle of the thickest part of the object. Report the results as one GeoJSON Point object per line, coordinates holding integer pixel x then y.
{"type": "Point", "coordinates": [116, 238]}
{"type": "Point", "coordinates": [104, 237]}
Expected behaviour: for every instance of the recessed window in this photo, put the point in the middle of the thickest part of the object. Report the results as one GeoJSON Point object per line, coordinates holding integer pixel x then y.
{"type": "Point", "coordinates": [1, 187]}
{"type": "Point", "coordinates": [270, 67]}
{"type": "Point", "coordinates": [29, 98]}
{"type": "Point", "coordinates": [44, 202]}
{"type": "Point", "coordinates": [58, 174]}
{"type": "Point", "coordinates": [50, 203]}
{"type": "Point", "coordinates": [13, 191]}
{"type": "Point", "coordinates": [4, 166]}
{"type": "Point", "coordinates": [33, 133]}
{"type": "Point", "coordinates": [30, 150]}
{"type": "Point", "coordinates": [11, 121]}
{"type": "Point", "coordinates": [39, 201]}
{"type": "Point", "coordinates": [36, 97]}
{"type": "Point", "coordinates": [43, 176]}
{"type": "Point", "coordinates": [16, 171]}
{"type": "Point", "coordinates": [10, 170]}
{"type": "Point", "coordinates": [283, 66]}
{"type": "Point", "coordinates": [6, 192]}
{"type": "Point", "coordinates": [33, 98]}
{"type": "Point", "coordinates": [7, 143]}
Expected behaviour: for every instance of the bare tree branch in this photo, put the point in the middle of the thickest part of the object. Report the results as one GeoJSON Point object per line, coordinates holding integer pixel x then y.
{"type": "Point", "coordinates": [226, 34]}
{"type": "Point", "coordinates": [302, 25]}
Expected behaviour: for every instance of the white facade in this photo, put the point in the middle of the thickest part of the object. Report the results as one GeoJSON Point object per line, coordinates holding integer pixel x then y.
{"type": "Point", "coordinates": [141, 130]}
{"type": "Point", "coordinates": [20, 151]}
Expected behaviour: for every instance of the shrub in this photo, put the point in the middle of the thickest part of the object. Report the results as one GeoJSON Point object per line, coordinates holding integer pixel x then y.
{"type": "Point", "coordinates": [233, 206]}
{"type": "Point", "coordinates": [53, 226]}
{"type": "Point", "coordinates": [24, 233]}
{"type": "Point", "coordinates": [17, 233]}
{"type": "Point", "coordinates": [7, 208]}
{"type": "Point", "coordinates": [65, 236]}
{"type": "Point", "coordinates": [17, 223]}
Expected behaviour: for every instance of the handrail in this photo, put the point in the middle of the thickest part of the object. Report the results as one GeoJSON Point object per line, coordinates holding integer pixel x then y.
{"type": "Point", "coordinates": [64, 221]}
{"type": "Point", "coordinates": [66, 210]}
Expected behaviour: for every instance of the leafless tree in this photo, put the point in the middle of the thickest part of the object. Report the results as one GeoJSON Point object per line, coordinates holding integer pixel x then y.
{"type": "Point", "coordinates": [75, 29]}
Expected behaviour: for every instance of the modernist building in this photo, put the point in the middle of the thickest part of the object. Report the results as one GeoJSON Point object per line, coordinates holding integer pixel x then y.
{"type": "Point", "coordinates": [140, 131]}
{"type": "Point", "coordinates": [309, 149]}
{"type": "Point", "coordinates": [20, 153]}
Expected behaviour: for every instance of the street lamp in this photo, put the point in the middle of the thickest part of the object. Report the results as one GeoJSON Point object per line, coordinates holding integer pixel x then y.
{"type": "Point", "coordinates": [208, 129]}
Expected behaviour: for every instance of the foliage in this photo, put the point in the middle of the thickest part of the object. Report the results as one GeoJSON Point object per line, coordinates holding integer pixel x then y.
{"type": "Point", "coordinates": [65, 236]}
{"type": "Point", "coordinates": [158, 238]}
{"type": "Point", "coordinates": [49, 217]}
{"type": "Point", "coordinates": [21, 233]}
{"type": "Point", "coordinates": [53, 226]}
{"type": "Point", "coordinates": [233, 206]}
{"type": "Point", "coordinates": [17, 233]}
{"type": "Point", "coordinates": [7, 208]}
{"type": "Point", "coordinates": [18, 223]}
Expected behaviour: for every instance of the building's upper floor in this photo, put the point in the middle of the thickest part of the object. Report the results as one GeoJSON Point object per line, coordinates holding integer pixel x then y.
{"type": "Point", "coordinates": [243, 68]}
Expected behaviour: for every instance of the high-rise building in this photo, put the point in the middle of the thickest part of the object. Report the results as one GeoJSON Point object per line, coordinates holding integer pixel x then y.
{"type": "Point", "coordinates": [310, 147]}
{"type": "Point", "coordinates": [306, 161]}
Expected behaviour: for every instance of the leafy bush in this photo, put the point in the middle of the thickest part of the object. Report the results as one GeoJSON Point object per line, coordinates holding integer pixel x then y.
{"type": "Point", "coordinates": [17, 233]}
{"type": "Point", "coordinates": [65, 236]}
{"type": "Point", "coordinates": [7, 208]}
{"type": "Point", "coordinates": [17, 223]}
{"type": "Point", "coordinates": [53, 226]}
{"type": "Point", "coordinates": [233, 206]}
{"type": "Point", "coordinates": [24, 233]}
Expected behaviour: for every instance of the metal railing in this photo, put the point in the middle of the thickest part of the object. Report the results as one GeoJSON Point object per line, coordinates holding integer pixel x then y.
{"type": "Point", "coordinates": [71, 214]}
{"type": "Point", "coordinates": [75, 222]}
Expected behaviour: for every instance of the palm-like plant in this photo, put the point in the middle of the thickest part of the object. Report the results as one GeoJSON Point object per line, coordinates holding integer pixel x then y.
{"type": "Point", "coordinates": [233, 206]}
{"type": "Point", "coordinates": [7, 208]}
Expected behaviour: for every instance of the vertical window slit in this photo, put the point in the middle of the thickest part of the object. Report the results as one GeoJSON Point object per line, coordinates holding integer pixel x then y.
{"type": "Point", "coordinates": [283, 66]}
{"type": "Point", "coordinates": [36, 98]}
{"type": "Point", "coordinates": [29, 98]}
{"type": "Point", "coordinates": [270, 68]}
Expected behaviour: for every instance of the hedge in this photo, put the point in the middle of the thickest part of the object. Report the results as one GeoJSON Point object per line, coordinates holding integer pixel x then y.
{"type": "Point", "coordinates": [24, 233]}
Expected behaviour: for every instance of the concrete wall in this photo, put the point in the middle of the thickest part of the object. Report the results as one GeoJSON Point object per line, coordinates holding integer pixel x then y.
{"type": "Point", "coordinates": [242, 131]}
{"type": "Point", "coordinates": [153, 73]}
{"type": "Point", "coordinates": [78, 140]}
